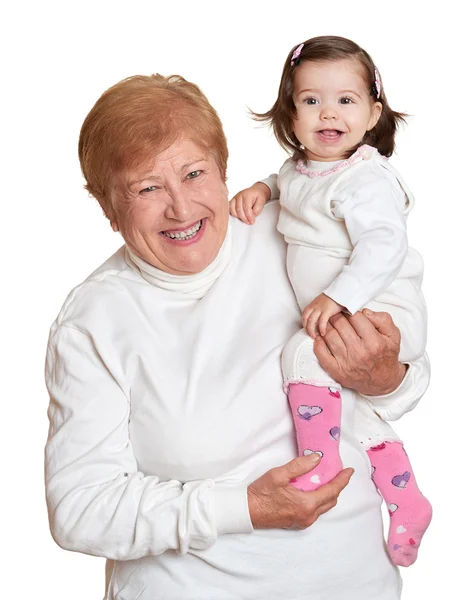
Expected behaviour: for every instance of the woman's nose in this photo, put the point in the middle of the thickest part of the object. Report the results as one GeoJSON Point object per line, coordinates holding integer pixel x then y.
{"type": "Point", "coordinates": [179, 206]}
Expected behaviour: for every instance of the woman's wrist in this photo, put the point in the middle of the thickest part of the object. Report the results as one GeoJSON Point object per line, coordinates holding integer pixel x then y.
{"type": "Point", "coordinates": [386, 385]}
{"type": "Point", "coordinates": [400, 377]}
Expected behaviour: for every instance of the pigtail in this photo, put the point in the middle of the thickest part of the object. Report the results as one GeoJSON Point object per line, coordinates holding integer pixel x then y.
{"type": "Point", "coordinates": [382, 136]}
{"type": "Point", "coordinates": [283, 112]}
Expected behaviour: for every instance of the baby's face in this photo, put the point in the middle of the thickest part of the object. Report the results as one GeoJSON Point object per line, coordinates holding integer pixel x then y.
{"type": "Point", "coordinates": [334, 108]}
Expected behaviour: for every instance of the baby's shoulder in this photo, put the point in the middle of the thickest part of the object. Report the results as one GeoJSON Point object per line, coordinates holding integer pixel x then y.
{"type": "Point", "coordinates": [372, 167]}
{"type": "Point", "coordinates": [288, 167]}
{"type": "Point", "coordinates": [372, 174]}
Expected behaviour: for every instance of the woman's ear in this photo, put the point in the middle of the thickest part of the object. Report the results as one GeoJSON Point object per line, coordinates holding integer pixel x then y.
{"type": "Point", "coordinates": [110, 214]}
{"type": "Point", "coordinates": [375, 114]}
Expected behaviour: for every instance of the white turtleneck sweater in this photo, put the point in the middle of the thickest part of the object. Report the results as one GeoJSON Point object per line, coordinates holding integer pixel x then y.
{"type": "Point", "coordinates": [166, 402]}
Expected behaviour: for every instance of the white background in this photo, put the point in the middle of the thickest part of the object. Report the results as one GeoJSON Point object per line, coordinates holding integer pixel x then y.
{"type": "Point", "coordinates": [57, 58]}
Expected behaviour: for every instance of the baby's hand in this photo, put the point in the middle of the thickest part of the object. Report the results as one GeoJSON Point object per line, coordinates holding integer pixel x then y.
{"type": "Point", "coordinates": [317, 313]}
{"type": "Point", "coordinates": [248, 204]}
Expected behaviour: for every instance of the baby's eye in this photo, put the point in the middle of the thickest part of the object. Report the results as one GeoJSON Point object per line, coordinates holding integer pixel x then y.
{"type": "Point", "coordinates": [346, 100]}
{"type": "Point", "coordinates": [311, 101]}
{"type": "Point", "coordinates": [194, 174]}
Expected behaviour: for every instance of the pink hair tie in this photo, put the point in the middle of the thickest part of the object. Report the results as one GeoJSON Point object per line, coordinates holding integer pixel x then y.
{"type": "Point", "coordinates": [377, 83]}
{"type": "Point", "coordinates": [295, 60]}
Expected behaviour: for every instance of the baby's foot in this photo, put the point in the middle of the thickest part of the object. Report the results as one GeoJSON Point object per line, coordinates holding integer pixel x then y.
{"type": "Point", "coordinates": [408, 525]}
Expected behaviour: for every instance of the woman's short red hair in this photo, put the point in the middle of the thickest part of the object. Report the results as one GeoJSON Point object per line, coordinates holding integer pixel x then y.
{"type": "Point", "coordinates": [138, 118]}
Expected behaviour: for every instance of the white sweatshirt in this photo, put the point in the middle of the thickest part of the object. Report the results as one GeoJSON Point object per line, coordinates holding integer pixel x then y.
{"type": "Point", "coordinates": [345, 224]}
{"type": "Point", "coordinates": [166, 402]}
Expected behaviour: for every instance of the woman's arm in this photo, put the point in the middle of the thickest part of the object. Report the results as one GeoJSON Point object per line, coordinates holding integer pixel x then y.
{"type": "Point", "coordinates": [100, 504]}
{"type": "Point", "coordinates": [361, 352]}
{"type": "Point", "coordinates": [98, 501]}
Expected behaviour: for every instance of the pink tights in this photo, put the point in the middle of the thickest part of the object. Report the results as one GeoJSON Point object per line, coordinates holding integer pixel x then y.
{"type": "Point", "coordinates": [409, 510]}
{"type": "Point", "coordinates": [316, 411]}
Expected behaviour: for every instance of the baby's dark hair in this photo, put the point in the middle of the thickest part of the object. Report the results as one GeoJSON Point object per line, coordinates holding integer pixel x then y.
{"type": "Point", "coordinates": [330, 48]}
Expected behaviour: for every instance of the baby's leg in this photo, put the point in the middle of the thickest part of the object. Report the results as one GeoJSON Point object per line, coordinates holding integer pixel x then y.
{"type": "Point", "coordinates": [316, 411]}
{"type": "Point", "coordinates": [410, 512]}
{"type": "Point", "coordinates": [315, 402]}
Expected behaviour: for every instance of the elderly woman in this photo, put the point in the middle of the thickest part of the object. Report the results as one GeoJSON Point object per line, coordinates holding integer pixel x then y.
{"type": "Point", "coordinates": [168, 421]}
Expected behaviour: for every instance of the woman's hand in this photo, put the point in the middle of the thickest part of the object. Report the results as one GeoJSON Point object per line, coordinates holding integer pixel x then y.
{"type": "Point", "coordinates": [248, 204]}
{"type": "Point", "coordinates": [275, 503]}
{"type": "Point", "coordinates": [361, 352]}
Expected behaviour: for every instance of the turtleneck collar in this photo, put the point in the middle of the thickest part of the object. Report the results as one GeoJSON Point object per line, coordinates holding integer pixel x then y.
{"type": "Point", "coordinates": [192, 286]}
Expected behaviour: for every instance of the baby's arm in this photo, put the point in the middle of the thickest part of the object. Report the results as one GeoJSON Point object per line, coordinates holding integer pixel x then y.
{"type": "Point", "coordinates": [316, 314]}
{"type": "Point", "coordinates": [374, 218]}
{"type": "Point", "coordinates": [247, 204]}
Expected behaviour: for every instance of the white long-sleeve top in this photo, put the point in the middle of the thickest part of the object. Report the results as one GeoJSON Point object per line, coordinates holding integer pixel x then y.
{"type": "Point", "coordinates": [345, 225]}
{"type": "Point", "coordinates": [166, 402]}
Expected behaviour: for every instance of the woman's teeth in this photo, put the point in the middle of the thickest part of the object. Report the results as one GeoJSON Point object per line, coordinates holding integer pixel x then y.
{"type": "Point", "coordinates": [184, 235]}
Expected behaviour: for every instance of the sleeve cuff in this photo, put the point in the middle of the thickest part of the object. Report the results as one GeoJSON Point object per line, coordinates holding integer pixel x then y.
{"type": "Point", "coordinates": [272, 183]}
{"type": "Point", "coordinates": [231, 512]}
{"type": "Point", "coordinates": [347, 294]}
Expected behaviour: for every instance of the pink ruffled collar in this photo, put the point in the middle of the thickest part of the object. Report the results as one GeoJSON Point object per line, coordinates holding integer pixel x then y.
{"type": "Point", "coordinates": [364, 152]}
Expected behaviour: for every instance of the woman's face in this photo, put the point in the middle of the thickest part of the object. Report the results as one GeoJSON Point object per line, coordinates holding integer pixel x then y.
{"type": "Point", "coordinates": [175, 213]}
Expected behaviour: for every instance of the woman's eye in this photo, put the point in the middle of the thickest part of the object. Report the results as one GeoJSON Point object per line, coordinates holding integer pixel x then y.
{"type": "Point", "coordinates": [346, 100]}
{"type": "Point", "coordinates": [193, 174]}
{"type": "Point", "coordinates": [149, 189]}
{"type": "Point", "coordinates": [311, 101]}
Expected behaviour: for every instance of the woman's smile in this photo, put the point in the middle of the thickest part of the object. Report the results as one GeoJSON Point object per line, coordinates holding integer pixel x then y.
{"type": "Point", "coordinates": [186, 235]}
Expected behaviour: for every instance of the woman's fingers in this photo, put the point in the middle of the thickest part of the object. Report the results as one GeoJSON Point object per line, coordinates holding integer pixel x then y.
{"type": "Point", "coordinates": [298, 466]}
{"type": "Point", "coordinates": [365, 325]}
{"type": "Point", "coordinates": [326, 359]}
{"type": "Point", "coordinates": [331, 490]}
{"type": "Point", "coordinates": [275, 503]}
{"type": "Point", "coordinates": [382, 321]}
{"type": "Point", "coordinates": [345, 329]}
{"type": "Point", "coordinates": [320, 501]}
{"type": "Point", "coordinates": [334, 342]}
